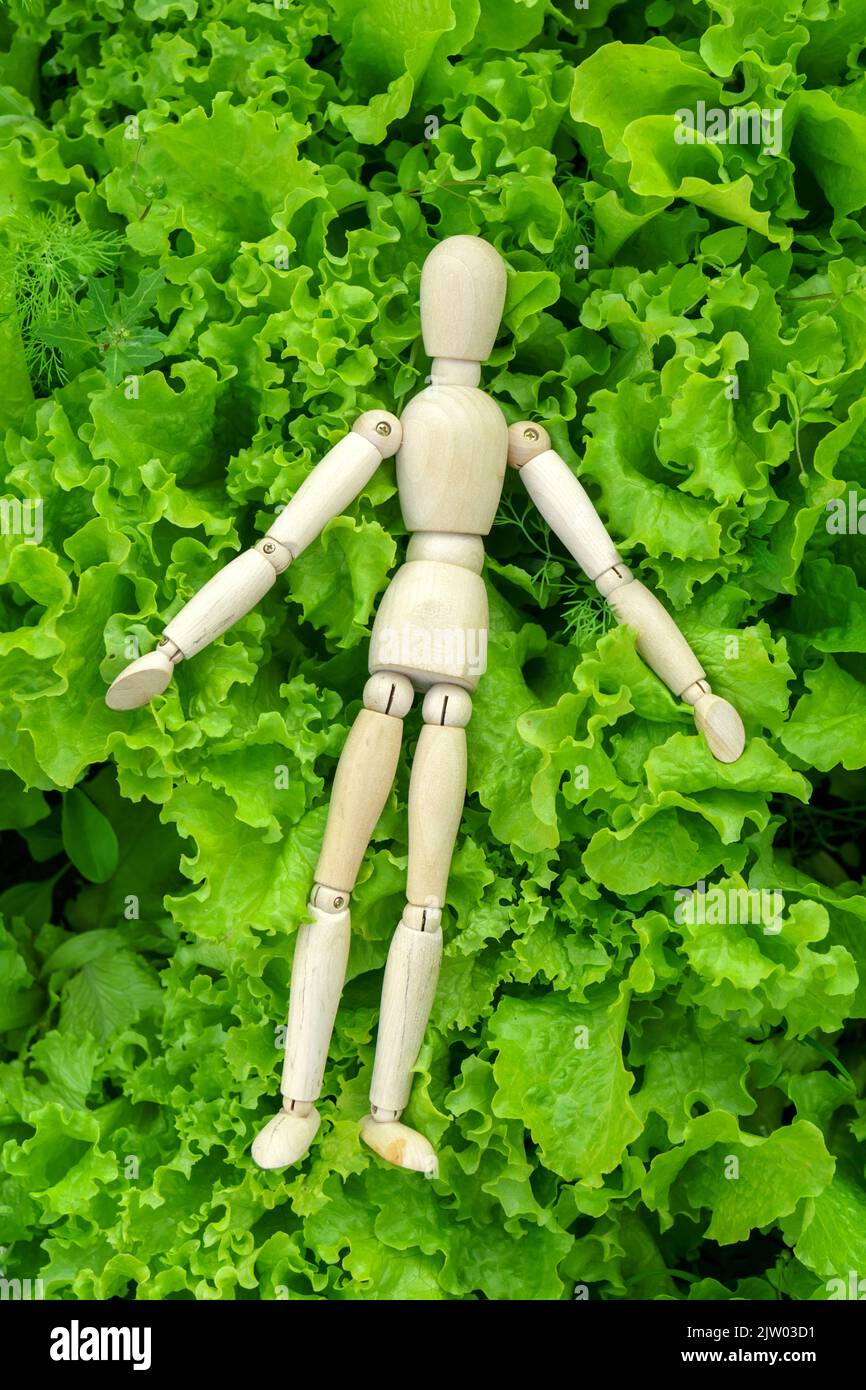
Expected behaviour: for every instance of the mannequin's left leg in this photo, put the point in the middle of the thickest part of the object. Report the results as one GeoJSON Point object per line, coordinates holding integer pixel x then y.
{"type": "Point", "coordinates": [437, 789]}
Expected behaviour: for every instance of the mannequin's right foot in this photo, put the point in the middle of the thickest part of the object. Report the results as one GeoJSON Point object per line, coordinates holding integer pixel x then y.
{"type": "Point", "coordinates": [285, 1139]}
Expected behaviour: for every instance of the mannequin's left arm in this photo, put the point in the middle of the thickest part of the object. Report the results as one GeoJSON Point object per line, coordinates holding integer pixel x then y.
{"type": "Point", "coordinates": [568, 511]}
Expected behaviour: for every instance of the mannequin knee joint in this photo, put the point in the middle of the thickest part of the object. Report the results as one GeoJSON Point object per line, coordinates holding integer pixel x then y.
{"type": "Point", "coordinates": [328, 899]}
{"type": "Point", "coordinates": [426, 919]}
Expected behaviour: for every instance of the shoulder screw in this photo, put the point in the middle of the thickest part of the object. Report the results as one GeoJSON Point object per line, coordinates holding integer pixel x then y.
{"type": "Point", "coordinates": [530, 434]}
{"type": "Point", "coordinates": [383, 428]}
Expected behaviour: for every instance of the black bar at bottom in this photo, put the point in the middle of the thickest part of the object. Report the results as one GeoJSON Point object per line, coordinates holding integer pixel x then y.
{"type": "Point", "coordinates": [251, 1338]}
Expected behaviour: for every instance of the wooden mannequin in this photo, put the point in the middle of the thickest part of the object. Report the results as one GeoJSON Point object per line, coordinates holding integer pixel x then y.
{"type": "Point", "coordinates": [429, 635]}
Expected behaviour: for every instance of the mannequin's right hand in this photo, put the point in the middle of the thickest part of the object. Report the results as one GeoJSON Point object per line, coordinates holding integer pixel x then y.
{"type": "Point", "coordinates": [140, 681]}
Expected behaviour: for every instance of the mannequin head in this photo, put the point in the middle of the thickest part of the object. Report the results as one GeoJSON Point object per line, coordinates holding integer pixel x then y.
{"type": "Point", "coordinates": [462, 297]}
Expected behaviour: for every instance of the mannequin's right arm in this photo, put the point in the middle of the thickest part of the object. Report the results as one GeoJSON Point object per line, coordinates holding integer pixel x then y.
{"type": "Point", "coordinates": [233, 591]}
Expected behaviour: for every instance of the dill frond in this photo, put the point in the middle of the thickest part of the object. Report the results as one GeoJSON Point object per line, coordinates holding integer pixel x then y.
{"type": "Point", "coordinates": [45, 263]}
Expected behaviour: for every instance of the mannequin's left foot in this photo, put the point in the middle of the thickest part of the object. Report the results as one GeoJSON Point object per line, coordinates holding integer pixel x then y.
{"type": "Point", "coordinates": [400, 1145]}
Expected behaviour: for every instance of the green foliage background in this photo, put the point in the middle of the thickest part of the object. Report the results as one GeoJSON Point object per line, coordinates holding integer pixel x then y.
{"type": "Point", "coordinates": [251, 254]}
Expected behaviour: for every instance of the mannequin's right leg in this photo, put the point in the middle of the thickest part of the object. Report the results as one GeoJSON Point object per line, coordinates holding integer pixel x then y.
{"type": "Point", "coordinates": [364, 777]}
